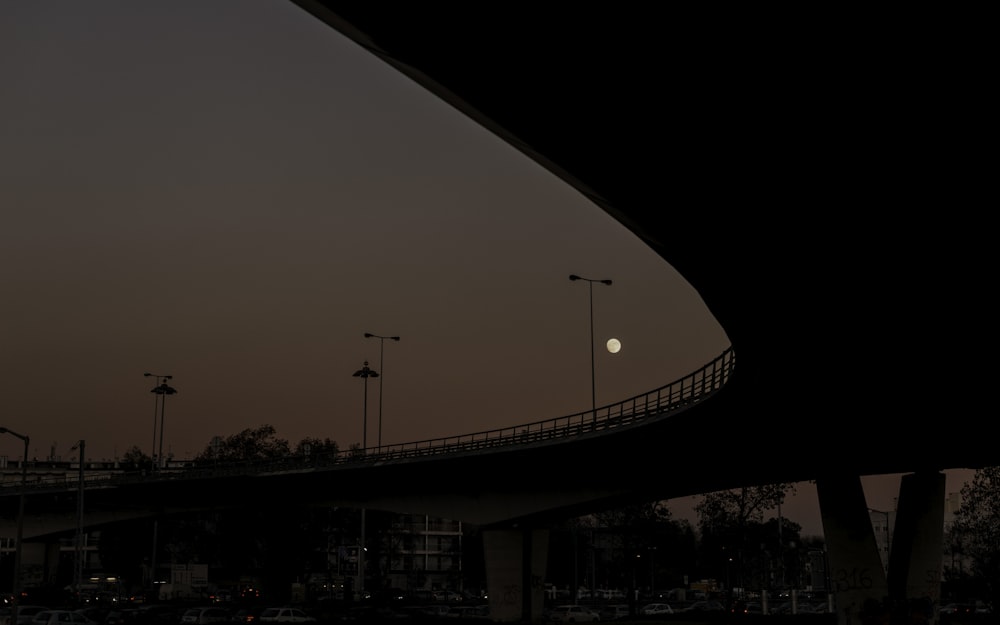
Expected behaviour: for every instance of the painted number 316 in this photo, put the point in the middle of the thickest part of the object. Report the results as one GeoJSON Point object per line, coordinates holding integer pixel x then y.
{"type": "Point", "coordinates": [852, 579]}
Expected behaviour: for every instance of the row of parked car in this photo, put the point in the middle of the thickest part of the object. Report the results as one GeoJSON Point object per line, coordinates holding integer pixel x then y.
{"type": "Point", "coordinates": [573, 613]}
{"type": "Point", "coordinates": [154, 615]}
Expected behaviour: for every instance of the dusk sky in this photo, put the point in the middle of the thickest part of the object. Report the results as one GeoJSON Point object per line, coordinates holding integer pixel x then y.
{"type": "Point", "coordinates": [232, 193]}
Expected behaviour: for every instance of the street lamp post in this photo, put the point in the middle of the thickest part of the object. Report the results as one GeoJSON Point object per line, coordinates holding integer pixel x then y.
{"type": "Point", "coordinates": [381, 347]}
{"type": "Point", "coordinates": [78, 551]}
{"type": "Point", "coordinates": [164, 390]}
{"type": "Point", "coordinates": [156, 408]}
{"type": "Point", "coordinates": [364, 372]}
{"type": "Point", "coordinates": [593, 383]}
{"type": "Point", "coordinates": [20, 523]}
{"type": "Point", "coordinates": [161, 390]}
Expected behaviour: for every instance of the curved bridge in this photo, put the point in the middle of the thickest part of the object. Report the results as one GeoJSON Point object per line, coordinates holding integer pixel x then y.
{"type": "Point", "coordinates": [326, 479]}
{"type": "Point", "coordinates": [777, 161]}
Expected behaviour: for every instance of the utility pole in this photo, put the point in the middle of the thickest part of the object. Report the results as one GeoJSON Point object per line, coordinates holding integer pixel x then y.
{"type": "Point", "coordinates": [78, 552]}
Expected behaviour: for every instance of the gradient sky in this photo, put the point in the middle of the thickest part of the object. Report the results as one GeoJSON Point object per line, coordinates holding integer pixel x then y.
{"type": "Point", "coordinates": [232, 193]}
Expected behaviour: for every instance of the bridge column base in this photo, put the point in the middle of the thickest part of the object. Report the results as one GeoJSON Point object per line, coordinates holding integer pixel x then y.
{"type": "Point", "coordinates": [917, 554]}
{"type": "Point", "coordinates": [515, 573]}
{"type": "Point", "coordinates": [39, 563]}
{"type": "Point", "coordinates": [863, 590]}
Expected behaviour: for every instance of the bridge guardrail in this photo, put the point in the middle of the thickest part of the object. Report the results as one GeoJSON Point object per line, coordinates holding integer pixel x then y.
{"type": "Point", "coordinates": [684, 392]}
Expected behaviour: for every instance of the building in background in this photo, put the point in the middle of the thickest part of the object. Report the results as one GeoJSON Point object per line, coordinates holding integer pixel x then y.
{"type": "Point", "coordinates": [425, 553]}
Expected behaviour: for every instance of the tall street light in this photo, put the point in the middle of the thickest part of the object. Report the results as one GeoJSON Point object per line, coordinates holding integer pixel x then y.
{"type": "Point", "coordinates": [78, 551]}
{"type": "Point", "coordinates": [20, 523]}
{"type": "Point", "coordinates": [593, 384]}
{"type": "Point", "coordinates": [364, 372]}
{"type": "Point", "coordinates": [381, 347]}
{"type": "Point", "coordinates": [156, 408]}
{"type": "Point", "coordinates": [162, 390]}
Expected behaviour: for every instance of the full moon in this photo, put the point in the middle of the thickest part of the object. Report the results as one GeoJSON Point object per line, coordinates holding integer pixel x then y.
{"type": "Point", "coordinates": [614, 345]}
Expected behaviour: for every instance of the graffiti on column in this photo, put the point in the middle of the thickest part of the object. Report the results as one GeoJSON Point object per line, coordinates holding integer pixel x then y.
{"type": "Point", "coordinates": [852, 579]}
{"type": "Point", "coordinates": [511, 595]}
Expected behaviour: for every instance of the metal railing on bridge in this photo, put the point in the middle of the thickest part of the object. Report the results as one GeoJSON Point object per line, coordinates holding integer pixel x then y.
{"type": "Point", "coordinates": [641, 409]}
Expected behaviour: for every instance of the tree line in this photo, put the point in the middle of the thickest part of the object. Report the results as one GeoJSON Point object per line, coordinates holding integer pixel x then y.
{"type": "Point", "coordinates": [737, 543]}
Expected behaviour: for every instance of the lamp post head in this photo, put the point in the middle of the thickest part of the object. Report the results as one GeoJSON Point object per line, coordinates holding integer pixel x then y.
{"type": "Point", "coordinates": [574, 277]}
{"type": "Point", "coordinates": [369, 335]}
{"type": "Point", "coordinates": [15, 434]}
{"type": "Point", "coordinates": [163, 389]}
{"type": "Point", "coordinates": [365, 372]}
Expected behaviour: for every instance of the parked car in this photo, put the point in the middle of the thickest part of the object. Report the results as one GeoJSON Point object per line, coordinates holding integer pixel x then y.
{"type": "Point", "coordinates": [573, 614]}
{"type": "Point", "coordinates": [95, 612]}
{"type": "Point", "coordinates": [420, 596]}
{"type": "Point", "coordinates": [481, 612]}
{"type": "Point", "coordinates": [153, 614]}
{"type": "Point", "coordinates": [24, 614]}
{"type": "Point", "coordinates": [372, 614]}
{"type": "Point", "coordinates": [614, 612]}
{"type": "Point", "coordinates": [957, 608]}
{"type": "Point", "coordinates": [247, 616]}
{"type": "Point", "coordinates": [436, 611]}
{"type": "Point", "coordinates": [747, 608]}
{"type": "Point", "coordinates": [205, 616]}
{"type": "Point", "coordinates": [656, 608]}
{"type": "Point", "coordinates": [61, 617]}
{"type": "Point", "coordinates": [285, 615]}
{"type": "Point", "coordinates": [711, 605]}
{"type": "Point", "coordinates": [449, 596]}
{"type": "Point", "coordinates": [787, 607]}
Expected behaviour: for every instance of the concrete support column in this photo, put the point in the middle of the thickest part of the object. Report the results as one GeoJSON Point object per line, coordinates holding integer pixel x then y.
{"type": "Point", "coordinates": [515, 573]}
{"type": "Point", "coordinates": [911, 589]}
{"type": "Point", "coordinates": [51, 562]}
{"type": "Point", "coordinates": [856, 574]}
{"type": "Point", "coordinates": [916, 559]}
{"type": "Point", "coordinates": [38, 563]}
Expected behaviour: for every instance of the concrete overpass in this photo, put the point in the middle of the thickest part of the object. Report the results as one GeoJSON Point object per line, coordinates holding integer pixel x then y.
{"type": "Point", "coordinates": [817, 187]}
{"type": "Point", "coordinates": [537, 472]}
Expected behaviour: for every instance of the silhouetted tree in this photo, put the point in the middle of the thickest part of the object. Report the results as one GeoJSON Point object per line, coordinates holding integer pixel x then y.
{"type": "Point", "coordinates": [632, 547]}
{"type": "Point", "coordinates": [729, 522]}
{"type": "Point", "coordinates": [251, 445]}
{"type": "Point", "coordinates": [135, 460]}
{"type": "Point", "coordinates": [636, 528]}
{"type": "Point", "coordinates": [975, 534]}
{"type": "Point", "coordinates": [317, 447]}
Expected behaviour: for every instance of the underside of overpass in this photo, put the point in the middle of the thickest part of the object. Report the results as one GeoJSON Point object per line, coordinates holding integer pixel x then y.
{"type": "Point", "coordinates": [816, 182]}
{"type": "Point", "coordinates": [819, 192]}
